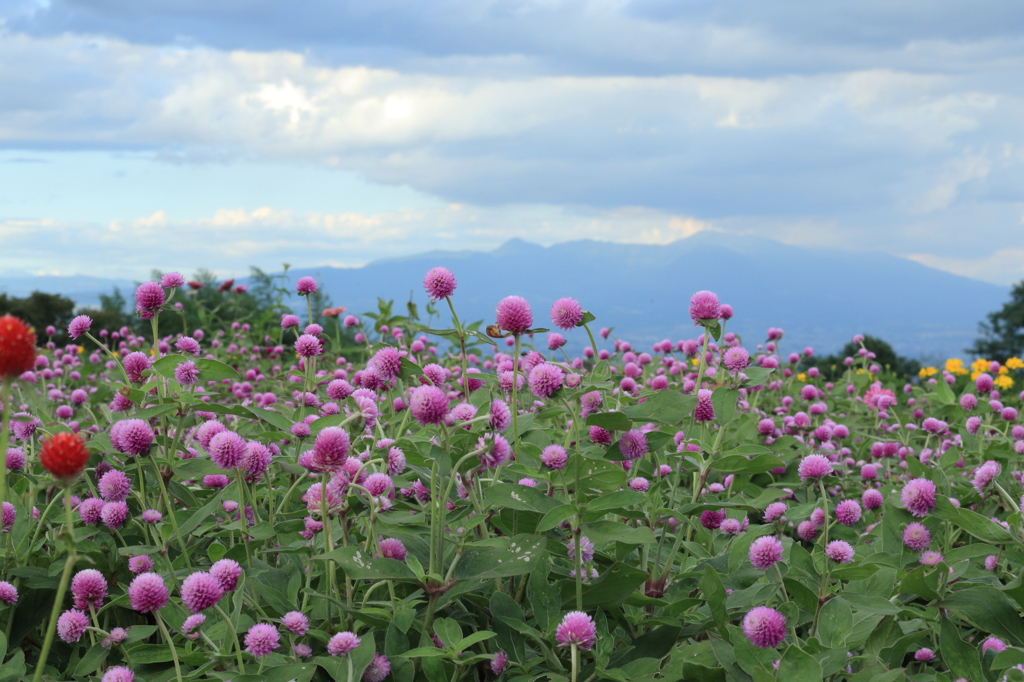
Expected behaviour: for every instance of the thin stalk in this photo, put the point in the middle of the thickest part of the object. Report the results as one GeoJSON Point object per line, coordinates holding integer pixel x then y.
{"type": "Point", "coordinates": [234, 636]}
{"type": "Point", "coordinates": [170, 644]}
{"type": "Point", "coordinates": [65, 578]}
{"type": "Point", "coordinates": [170, 512]}
{"type": "Point", "coordinates": [5, 427]}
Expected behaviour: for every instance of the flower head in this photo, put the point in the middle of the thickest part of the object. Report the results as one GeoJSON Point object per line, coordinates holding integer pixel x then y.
{"type": "Point", "coordinates": [148, 299]}
{"type": "Point", "coordinates": [64, 455]}
{"type": "Point", "coordinates": [79, 326]}
{"type": "Point", "coordinates": [704, 305]}
{"type": "Point", "coordinates": [378, 668]}
{"type": "Point", "coordinates": [566, 313]}
{"type": "Point", "coordinates": [705, 409]}
{"type": "Point", "coordinates": [296, 622]}
{"type": "Point", "coordinates": [308, 346]}
{"type": "Point", "coordinates": [576, 628]}
{"type": "Point", "coordinates": [813, 467]}
{"type": "Point", "coordinates": [554, 457]}
{"type": "Point", "coordinates": [88, 588]}
{"type": "Point", "coordinates": [8, 593]}
{"type": "Point", "coordinates": [765, 552]}
{"type": "Point", "coordinates": [918, 496]}
{"type": "Point", "coordinates": [439, 283]}
{"type": "Point", "coordinates": [71, 625]}
{"type": "Point", "coordinates": [226, 571]}
{"type": "Point", "coordinates": [545, 379]}
{"type": "Point", "coordinates": [262, 638]}
{"type": "Point", "coordinates": [428, 405]}
{"type": "Point", "coordinates": [227, 450]}
{"type": "Point", "coordinates": [147, 593]}
{"type": "Point", "coordinates": [916, 537]}
{"type": "Point", "coordinates": [633, 444]}
{"type": "Point", "coordinates": [306, 286]}
{"type": "Point", "coordinates": [848, 512]}
{"type": "Point", "coordinates": [392, 548]}
{"type": "Point", "coordinates": [514, 314]}
{"type": "Point", "coordinates": [200, 591]}
{"type": "Point", "coordinates": [342, 643]}
{"type": "Point", "coordinates": [840, 550]}
{"type": "Point", "coordinates": [764, 627]}
{"type": "Point", "coordinates": [114, 486]}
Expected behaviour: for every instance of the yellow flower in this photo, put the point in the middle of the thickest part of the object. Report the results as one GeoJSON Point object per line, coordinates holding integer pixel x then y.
{"type": "Point", "coordinates": [81, 349]}
{"type": "Point", "coordinates": [955, 366]}
{"type": "Point", "coordinates": [1003, 381]}
{"type": "Point", "coordinates": [1015, 363]}
{"type": "Point", "coordinates": [802, 376]}
{"type": "Point", "coordinates": [695, 361]}
{"type": "Point", "coordinates": [927, 372]}
{"type": "Point", "coordinates": [980, 365]}
{"type": "Point", "coordinates": [1003, 369]}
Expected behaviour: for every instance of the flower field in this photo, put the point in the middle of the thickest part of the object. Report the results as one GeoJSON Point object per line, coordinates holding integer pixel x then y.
{"type": "Point", "coordinates": [472, 502]}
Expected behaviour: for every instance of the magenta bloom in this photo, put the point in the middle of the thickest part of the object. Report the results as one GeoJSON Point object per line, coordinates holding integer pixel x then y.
{"type": "Point", "coordinates": [148, 298]}
{"type": "Point", "coordinates": [200, 591]}
{"type": "Point", "coordinates": [172, 280]}
{"type": "Point", "coordinates": [840, 550]}
{"type": "Point", "coordinates": [704, 305]}
{"type": "Point", "coordinates": [118, 673]}
{"type": "Point", "coordinates": [501, 415]}
{"type": "Point", "coordinates": [586, 549]}
{"type": "Point", "coordinates": [342, 643]}
{"type": "Point", "coordinates": [985, 474]}
{"type": "Point", "coordinates": [428, 405]}
{"type": "Point", "coordinates": [576, 628]}
{"type": "Point", "coordinates": [499, 662]}
{"type": "Point", "coordinates": [813, 467]}
{"type": "Point", "coordinates": [192, 623]}
{"type": "Point", "coordinates": [918, 496]}
{"type": "Point", "coordinates": [140, 564]}
{"type": "Point", "coordinates": [545, 379]}
{"type": "Point", "coordinates": [71, 625]}
{"type": "Point", "coordinates": [924, 654]}
{"type": "Point", "coordinates": [226, 571]}
{"type": "Point", "coordinates": [378, 668]}
{"type": "Point", "coordinates": [308, 346]}
{"type": "Point", "coordinates": [566, 313]}
{"type": "Point", "coordinates": [288, 320]}
{"type": "Point", "coordinates": [88, 588]}
{"type": "Point", "coordinates": [807, 530]}
{"type": "Point", "coordinates": [187, 344]}
{"type": "Point", "coordinates": [930, 558]}
{"type": "Point", "coordinates": [775, 512]}
{"type": "Point", "coordinates": [633, 444]}
{"type": "Point", "coordinates": [736, 359]}
{"type": "Point", "coordinates": [262, 638]}
{"type": "Point", "coordinates": [554, 457]}
{"type": "Point", "coordinates": [131, 436]}
{"type": "Point", "coordinates": [848, 512]}
{"type": "Point", "coordinates": [712, 519]}
{"type": "Point", "coordinates": [114, 514]}
{"type": "Point", "coordinates": [114, 486]}
{"type": "Point", "coordinates": [764, 627]}
{"type": "Point", "coordinates": [8, 593]}
{"type": "Point", "coordinates": [331, 448]}
{"type": "Point", "coordinates": [639, 484]}
{"type": "Point", "coordinates": [765, 552]}
{"type": "Point", "coordinates": [392, 548]}
{"type": "Point", "coordinates": [79, 326]}
{"type": "Point", "coordinates": [496, 452]}
{"type": "Point", "coordinates": [227, 450]}
{"type": "Point", "coordinates": [186, 373]}
{"type": "Point", "coordinates": [993, 643]}
{"type": "Point", "coordinates": [514, 314]}
{"type": "Point", "coordinates": [147, 593]}
{"type": "Point", "coordinates": [439, 283]}
{"type": "Point", "coordinates": [306, 286]}
{"type": "Point", "coordinates": [296, 622]}
{"type": "Point", "coordinates": [705, 409]}
{"type": "Point", "coordinates": [871, 499]}
{"type": "Point", "coordinates": [916, 537]}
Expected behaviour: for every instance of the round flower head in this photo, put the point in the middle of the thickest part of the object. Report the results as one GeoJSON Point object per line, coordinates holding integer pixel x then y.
{"type": "Point", "coordinates": [172, 280]}
{"type": "Point", "coordinates": [64, 455]}
{"type": "Point", "coordinates": [736, 359]}
{"type": "Point", "coordinates": [918, 496]}
{"type": "Point", "coordinates": [501, 415]}
{"type": "Point", "coordinates": [79, 326]}
{"type": "Point", "coordinates": [712, 519]}
{"type": "Point", "coordinates": [807, 530]}
{"type": "Point", "coordinates": [392, 548]}
{"type": "Point", "coordinates": [848, 512]}
{"type": "Point", "coordinates": [499, 662]}
{"type": "Point", "coordinates": [187, 344]}
{"type": "Point", "coordinates": [151, 516]}
{"type": "Point", "coordinates": [331, 448]}
{"type": "Point", "coordinates": [17, 348]}
{"type": "Point", "coordinates": [8, 593]}
{"type": "Point", "coordinates": [200, 591]}
{"type": "Point", "coordinates": [148, 298]}
{"type": "Point", "coordinates": [439, 283]}
{"type": "Point", "coordinates": [114, 486]}
{"type": "Point", "coordinates": [731, 527]}
{"type": "Point", "coordinates": [555, 341]}
{"type": "Point", "coordinates": [993, 643]}
{"type": "Point", "coordinates": [554, 457]}
{"type": "Point", "coordinates": [496, 451]}
{"type": "Point", "coordinates": [88, 588]}
{"type": "Point", "coordinates": [378, 484]}
{"type": "Point", "coordinates": [633, 444]}
{"type": "Point", "coordinates": [118, 673]}
{"type": "Point", "coordinates": [227, 450]}
{"type": "Point", "coordinates": [576, 628]}
{"type": "Point", "coordinates": [192, 623]}
{"type": "Point", "coordinates": [71, 625]}
{"type": "Point", "coordinates": [930, 558]}
{"type": "Point", "coordinates": [813, 467]}
{"type": "Point", "coordinates": [764, 627]}
{"type": "Point", "coordinates": [378, 668]}
{"type": "Point", "coordinates": [840, 550]}
{"type": "Point", "coordinates": [775, 512]}
{"type": "Point", "coordinates": [639, 484]}
{"type": "Point", "coordinates": [705, 409]}
{"type": "Point", "coordinates": [147, 593]}
{"type": "Point", "coordinates": [132, 436]}
{"type": "Point", "coordinates": [8, 515]}
{"type": "Point", "coordinates": [396, 461]}
{"type": "Point", "coordinates": [226, 571]}
{"type": "Point", "coordinates": [342, 643]}
{"type": "Point", "coordinates": [428, 405]}
{"type": "Point", "coordinates": [186, 373]}
{"type": "Point", "coordinates": [985, 474]}
{"type": "Point", "coordinates": [288, 321]}
{"type": "Point", "coordinates": [262, 638]}
{"type": "Point", "coordinates": [140, 564]}
{"type": "Point", "coordinates": [704, 305]}
{"type": "Point", "coordinates": [566, 313]}
{"type": "Point", "coordinates": [308, 346]}
{"type": "Point", "coordinates": [586, 549]}
{"type": "Point", "coordinates": [765, 552]}
{"type": "Point", "coordinates": [916, 537]}
{"type": "Point", "coordinates": [15, 460]}
{"type": "Point", "coordinates": [514, 314]}
{"type": "Point", "coordinates": [545, 379]}
{"type": "Point", "coordinates": [296, 622]}
{"type": "Point", "coordinates": [871, 499]}
{"type": "Point", "coordinates": [306, 286]}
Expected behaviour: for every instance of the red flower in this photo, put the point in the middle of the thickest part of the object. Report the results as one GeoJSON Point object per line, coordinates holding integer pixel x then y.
{"type": "Point", "coordinates": [64, 455]}
{"type": "Point", "coordinates": [17, 347]}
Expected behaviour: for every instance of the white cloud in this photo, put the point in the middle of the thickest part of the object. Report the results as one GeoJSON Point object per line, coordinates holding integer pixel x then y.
{"type": "Point", "coordinates": [1004, 266]}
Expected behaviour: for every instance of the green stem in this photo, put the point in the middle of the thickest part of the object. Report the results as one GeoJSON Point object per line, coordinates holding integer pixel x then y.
{"type": "Point", "coordinates": [65, 578]}
{"type": "Point", "coordinates": [5, 435]}
{"type": "Point", "coordinates": [170, 644]}
{"type": "Point", "coordinates": [515, 394]}
{"type": "Point", "coordinates": [234, 636]}
{"type": "Point", "coordinates": [170, 512]}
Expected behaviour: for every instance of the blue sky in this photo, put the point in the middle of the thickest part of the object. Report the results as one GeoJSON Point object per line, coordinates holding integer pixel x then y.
{"type": "Point", "coordinates": [179, 134]}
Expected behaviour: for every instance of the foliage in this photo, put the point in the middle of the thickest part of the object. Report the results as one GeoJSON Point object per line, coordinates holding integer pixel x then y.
{"type": "Point", "coordinates": [832, 366]}
{"type": "Point", "coordinates": [1002, 336]}
{"type": "Point", "coordinates": [39, 310]}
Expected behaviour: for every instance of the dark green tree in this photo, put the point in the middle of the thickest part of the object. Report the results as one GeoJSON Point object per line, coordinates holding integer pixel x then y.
{"type": "Point", "coordinates": [885, 357]}
{"type": "Point", "coordinates": [40, 310]}
{"type": "Point", "coordinates": [1002, 335]}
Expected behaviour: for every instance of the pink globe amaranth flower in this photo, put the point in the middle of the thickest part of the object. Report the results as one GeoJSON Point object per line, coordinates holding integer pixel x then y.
{"type": "Point", "coordinates": [545, 379]}
{"type": "Point", "coordinates": [147, 593]}
{"type": "Point", "coordinates": [496, 451]}
{"type": "Point", "coordinates": [295, 622]}
{"type": "Point", "coordinates": [731, 527]}
{"type": "Point", "coordinates": [566, 313]}
{"type": "Point", "coordinates": [968, 401]}
{"type": "Point", "coordinates": [991, 562]}
{"type": "Point", "coordinates": [848, 512]}
{"type": "Point", "coordinates": [114, 514]}
{"type": "Point", "coordinates": [765, 552]}
{"type": "Point", "coordinates": [871, 499]}
{"type": "Point", "coordinates": [918, 496]}
{"type": "Point", "coordinates": [207, 430]}
{"type": "Point", "coordinates": [704, 305]}
{"type": "Point", "coordinates": [712, 519]}
{"type": "Point", "coordinates": [9, 515]}
{"type": "Point", "coordinates": [200, 591]}
{"type": "Point", "coordinates": [555, 341]}
{"type": "Point", "coordinates": [983, 383]}
{"type": "Point", "coordinates": [8, 593]}
{"type": "Point", "coordinates": [186, 373]}
{"type": "Point", "coordinates": [633, 444]}
{"type": "Point", "coordinates": [216, 481]}
{"type": "Point", "coordinates": [840, 551]}
{"type": "Point", "coordinates": [226, 571]}
{"type": "Point", "coordinates": [764, 627]}
{"type": "Point", "coordinates": [924, 654]}
{"type": "Point", "coordinates": [192, 623]}
{"type": "Point", "coordinates": [993, 643]}
{"type": "Point", "coordinates": [736, 359]}
{"type": "Point", "coordinates": [227, 450]}
{"type": "Point", "coordinates": [514, 314]}
{"type": "Point", "coordinates": [916, 537]}
{"type": "Point", "coordinates": [79, 326]}
{"type": "Point", "coordinates": [930, 558]}
{"type": "Point", "coordinates": [149, 297]}
{"type": "Point", "coordinates": [261, 639]}
{"type": "Point", "coordinates": [705, 409]}
{"type": "Point", "coordinates": [140, 564]}
{"type": "Point", "coordinates": [114, 486]}
{"type": "Point", "coordinates": [331, 448]}
{"type": "Point", "coordinates": [256, 461]}
{"type": "Point", "coordinates": [15, 459]}
{"type": "Point", "coordinates": [131, 436]}
{"type": "Point", "coordinates": [172, 280]}
{"type": "Point", "coordinates": [378, 484]}
{"type": "Point", "coordinates": [985, 474]}
{"type": "Point", "coordinates": [576, 628]}
{"type": "Point", "coordinates": [306, 286]}
{"type": "Point", "coordinates": [639, 484]}
{"type": "Point", "coordinates": [428, 405]}
{"type": "Point", "coordinates": [392, 548]}
{"type": "Point", "coordinates": [378, 668]}
{"type": "Point", "coordinates": [386, 363]}
{"type": "Point", "coordinates": [501, 415]}
{"type": "Point", "coordinates": [813, 467]}
{"type": "Point", "coordinates": [554, 457]}
{"type": "Point", "coordinates": [71, 625]}
{"type": "Point", "coordinates": [187, 344]}
{"type": "Point", "coordinates": [775, 512]}
{"type": "Point", "coordinates": [499, 662]}
{"type": "Point", "coordinates": [439, 283]}
{"type": "Point", "coordinates": [118, 673]}
{"type": "Point", "coordinates": [88, 588]}
{"type": "Point", "coordinates": [586, 549]}
{"type": "Point", "coordinates": [308, 346]}
{"type": "Point", "coordinates": [396, 461]}
{"type": "Point", "coordinates": [342, 643]}
{"type": "Point", "coordinates": [807, 530]}
{"type": "Point", "coordinates": [288, 320]}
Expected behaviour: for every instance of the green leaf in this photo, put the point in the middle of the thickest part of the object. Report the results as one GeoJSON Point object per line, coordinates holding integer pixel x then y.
{"type": "Point", "coordinates": [797, 664]}
{"type": "Point", "coordinates": [724, 402]}
{"type": "Point", "coordinates": [713, 591]}
{"type": "Point", "coordinates": [615, 584]}
{"type": "Point", "coordinates": [601, 532]}
{"type": "Point", "coordinates": [665, 407]}
{"type": "Point", "coordinates": [290, 673]}
{"type": "Point", "coordinates": [739, 464]}
{"type": "Point", "coordinates": [757, 376]}
{"type": "Point", "coordinates": [612, 421]}
{"type": "Point", "coordinates": [989, 609]}
{"type": "Point", "coordinates": [588, 317]}
{"type": "Point", "coordinates": [960, 657]}
{"type": "Point", "coordinates": [600, 476]}
{"type": "Point", "coordinates": [359, 566]}
{"type": "Point", "coordinates": [972, 522]}
{"type": "Point", "coordinates": [621, 499]}
{"type": "Point", "coordinates": [275, 419]}
{"type": "Point", "coordinates": [555, 517]}
{"type": "Point", "coordinates": [835, 623]}
{"type": "Point", "coordinates": [749, 450]}
{"type": "Point", "coordinates": [449, 631]}
{"type": "Point", "coordinates": [409, 370]}
{"type": "Point", "coordinates": [494, 560]}
{"type": "Point", "coordinates": [504, 607]}
{"type": "Point", "coordinates": [215, 370]}
{"type": "Point", "coordinates": [1008, 659]}
{"type": "Point", "coordinates": [478, 636]}
{"type": "Point", "coordinates": [91, 660]}
{"type": "Point", "coordinates": [521, 497]}
{"type": "Point", "coordinates": [544, 598]}
{"type": "Point", "coordinates": [166, 365]}
{"type": "Point", "coordinates": [944, 392]}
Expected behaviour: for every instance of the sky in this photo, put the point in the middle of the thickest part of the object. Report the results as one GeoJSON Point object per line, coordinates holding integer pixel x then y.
{"type": "Point", "coordinates": [179, 134]}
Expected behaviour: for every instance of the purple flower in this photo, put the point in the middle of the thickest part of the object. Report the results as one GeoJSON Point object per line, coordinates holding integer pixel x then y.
{"type": "Point", "coordinates": [555, 341]}
{"type": "Point", "coordinates": [306, 286]}
{"type": "Point", "coordinates": [193, 622]}
{"type": "Point", "coordinates": [118, 673]}
{"type": "Point", "coordinates": [186, 373]}
{"type": "Point", "coordinates": [296, 622]}
{"type": "Point", "coordinates": [840, 551]}
{"type": "Point", "coordinates": [114, 514]}
{"type": "Point", "coordinates": [80, 325]}
{"type": "Point", "coordinates": [114, 486]}
{"type": "Point", "coordinates": [71, 625]}
{"type": "Point", "coordinates": [764, 627]}
{"type": "Point", "coordinates": [342, 643]}
{"type": "Point", "coordinates": [140, 564]}
{"type": "Point", "coordinates": [705, 409]}
{"type": "Point", "coordinates": [428, 405]}
{"type": "Point", "coordinates": [993, 643]}
{"type": "Point", "coordinates": [736, 359]}
{"type": "Point", "coordinates": [918, 496]}
{"type": "Point", "coordinates": [985, 474]}
{"type": "Point", "coordinates": [8, 593]}
{"type": "Point", "coordinates": [172, 280]}
{"type": "Point", "coordinates": [639, 484]}
{"type": "Point", "coordinates": [499, 662]}
{"type": "Point", "coordinates": [712, 519]}
{"type": "Point", "coordinates": [576, 628]}
{"type": "Point", "coordinates": [586, 549]}
{"type": "Point", "coordinates": [131, 436]}
{"type": "Point", "coordinates": [924, 654]}
{"type": "Point", "coordinates": [871, 499]}
{"type": "Point", "coordinates": [765, 552]}
{"type": "Point", "coordinates": [227, 449]}
{"type": "Point", "coordinates": [514, 314]}
{"type": "Point", "coordinates": [392, 548]}
{"type": "Point", "coordinates": [308, 346]}
{"type": "Point", "coordinates": [496, 451]}
{"type": "Point", "coordinates": [331, 448]}
{"type": "Point", "coordinates": [9, 515]}
{"type": "Point", "coordinates": [378, 669]}
{"type": "Point", "coordinates": [566, 313]}
{"type": "Point", "coordinates": [545, 379]}
{"type": "Point", "coordinates": [187, 344]}
{"type": "Point", "coordinates": [848, 512]}
{"type": "Point", "coordinates": [807, 530]}
{"type": "Point", "coordinates": [813, 467]}
{"type": "Point", "coordinates": [775, 512]}
{"type": "Point", "coordinates": [439, 283]}
{"type": "Point", "coordinates": [88, 588]}
{"type": "Point", "coordinates": [288, 320]}
{"type": "Point", "coordinates": [633, 444]}
{"type": "Point", "coordinates": [704, 305]}
{"type": "Point", "coordinates": [916, 537]}
{"type": "Point", "coordinates": [554, 457]}
{"type": "Point", "coordinates": [226, 571]}
{"type": "Point", "coordinates": [930, 558]}
{"type": "Point", "coordinates": [149, 297]}
{"type": "Point", "coordinates": [262, 638]}
{"type": "Point", "coordinates": [147, 593]}
{"type": "Point", "coordinates": [200, 591]}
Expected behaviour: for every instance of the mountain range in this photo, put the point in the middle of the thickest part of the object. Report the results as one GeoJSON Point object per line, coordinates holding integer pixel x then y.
{"type": "Point", "coordinates": [820, 297]}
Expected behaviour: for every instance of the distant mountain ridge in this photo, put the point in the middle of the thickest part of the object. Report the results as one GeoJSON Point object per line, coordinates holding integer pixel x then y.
{"type": "Point", "coordinates": [820, 297]}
